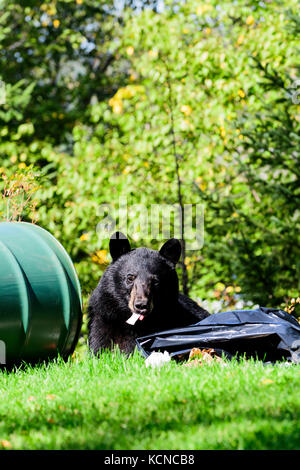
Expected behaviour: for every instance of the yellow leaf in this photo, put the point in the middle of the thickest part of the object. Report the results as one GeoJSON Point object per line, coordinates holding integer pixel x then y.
{"type": "Point", "coordinates": [84, 236]}
{"type": "Point", "coordinates": [186, 110]}
{"type": "Point", "coordinates": [266, 381]}
{"type": "Point", "coordinates": [203, 9]}
{"type": "Point", "coordinates": [152, 53]}
{"type": "Point", "coordinates": [229, 289]}
{"type": "Point", "coordinates": [51, 11]}
{"type": "Point", "coordinates": [240, 40]}
{"type": "Point", "coordinates": [50, 396]}
{"type": "Point", "coordinates": [31, 398]}
{"type": "Point", "coordinates": [130, 50]}
{"type": "Point", "coordinates": [117, 106]}
{"type": "Point", "coordinates": [100, 257]}
{"type": "Point", "coordinates": [6, 444]}
{"type": "Point", "coordinates": [250, 20]}
{"type": "Point", "coordinates": [220, 286]}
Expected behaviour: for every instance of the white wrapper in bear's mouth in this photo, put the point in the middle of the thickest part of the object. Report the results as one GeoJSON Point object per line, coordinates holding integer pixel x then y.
{"type": "Point", "coordinates": [134, 318]}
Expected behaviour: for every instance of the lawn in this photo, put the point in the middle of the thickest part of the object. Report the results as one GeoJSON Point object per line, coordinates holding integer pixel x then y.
{"type": "Point", "coordinates": [118, 403]}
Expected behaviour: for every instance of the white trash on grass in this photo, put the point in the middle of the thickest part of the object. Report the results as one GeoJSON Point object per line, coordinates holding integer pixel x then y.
{"type": "Point", "coordinates": [158, 359]}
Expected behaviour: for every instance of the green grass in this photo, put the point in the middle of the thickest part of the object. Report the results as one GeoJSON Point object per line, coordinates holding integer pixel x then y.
{"type": "Point", "coordinates": [117, 403]}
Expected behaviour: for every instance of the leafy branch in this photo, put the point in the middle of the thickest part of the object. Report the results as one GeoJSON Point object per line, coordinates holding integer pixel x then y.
{"type": "Point", "coordinates": [178, 179]}
{"type": "Point", "coordinates": [17, 195]}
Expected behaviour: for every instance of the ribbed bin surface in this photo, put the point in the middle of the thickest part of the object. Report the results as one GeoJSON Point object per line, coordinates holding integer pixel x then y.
{"type": "Point", "coordinates": [40, 296]}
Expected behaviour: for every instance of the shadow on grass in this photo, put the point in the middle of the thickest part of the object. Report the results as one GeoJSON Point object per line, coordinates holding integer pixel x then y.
{"type": "Point", "coordinates": [87, 429]}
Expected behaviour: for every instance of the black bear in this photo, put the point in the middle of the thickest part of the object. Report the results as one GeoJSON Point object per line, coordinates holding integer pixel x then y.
{"type": "Point", "coordinates": [138, 295]}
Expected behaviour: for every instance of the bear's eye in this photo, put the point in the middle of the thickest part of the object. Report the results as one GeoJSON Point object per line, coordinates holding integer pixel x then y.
{"type": "Point", "coordinates": [130, 278]}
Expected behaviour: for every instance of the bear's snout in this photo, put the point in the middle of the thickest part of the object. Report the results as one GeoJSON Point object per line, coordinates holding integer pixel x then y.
{"type": "Point", "coordinates": [141, 305]}
{"type": "Point", "coordinates": [140, 298]}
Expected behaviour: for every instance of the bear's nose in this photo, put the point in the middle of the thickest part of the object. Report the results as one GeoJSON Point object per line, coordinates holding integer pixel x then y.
{"type": "Point", "coordinates": [141, 305]}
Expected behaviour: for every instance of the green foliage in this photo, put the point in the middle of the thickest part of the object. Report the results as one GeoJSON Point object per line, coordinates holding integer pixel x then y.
{"type": "Point", "coordinates": [59, 49]}
{"type": "Point", "coordinates": [237, 130]}
{"type": "Point", "coordinates": [191, 82]}
{"type": "Point", "coordinates": [17, 201]}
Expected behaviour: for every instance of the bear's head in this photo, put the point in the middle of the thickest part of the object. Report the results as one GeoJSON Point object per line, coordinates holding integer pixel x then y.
{"type": "Point", "coordinates": [145, 279]}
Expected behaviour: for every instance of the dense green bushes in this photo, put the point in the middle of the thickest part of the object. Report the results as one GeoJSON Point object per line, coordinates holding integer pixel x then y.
{"type": "Point", "coordinates": [204, 85]}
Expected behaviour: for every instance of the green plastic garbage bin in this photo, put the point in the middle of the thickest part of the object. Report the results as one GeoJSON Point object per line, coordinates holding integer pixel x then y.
{"type": "Point", "coordinates": [40, 296]}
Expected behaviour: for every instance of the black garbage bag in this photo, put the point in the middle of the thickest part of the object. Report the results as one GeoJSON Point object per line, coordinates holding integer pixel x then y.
{"type": "Point", "coordinates": [265, 333]}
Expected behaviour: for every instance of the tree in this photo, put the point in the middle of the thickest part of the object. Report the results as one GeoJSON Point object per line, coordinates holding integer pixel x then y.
{"type": "Point", "coordinates": [230, 132]}
{"type": "Point", "coordinates": [264, 250]}
{"type": "Point", "coordinates": [60, 50]}
{"type": "Point", "coordinates": [209, 55]}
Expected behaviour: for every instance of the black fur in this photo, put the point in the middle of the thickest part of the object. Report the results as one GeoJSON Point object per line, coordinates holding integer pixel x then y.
{"type": "Point", "coordinates": [147, 280]}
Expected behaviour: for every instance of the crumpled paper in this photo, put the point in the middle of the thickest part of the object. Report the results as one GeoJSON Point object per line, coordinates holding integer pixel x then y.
{"type": "Point", "coordinates": [157, 359]}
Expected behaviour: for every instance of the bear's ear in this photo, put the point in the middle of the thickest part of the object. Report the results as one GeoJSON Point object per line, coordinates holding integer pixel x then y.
{"type": "Point", "coordinates": [118, 245]}
{"type": "Point", "coordinates": [171, 250]}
